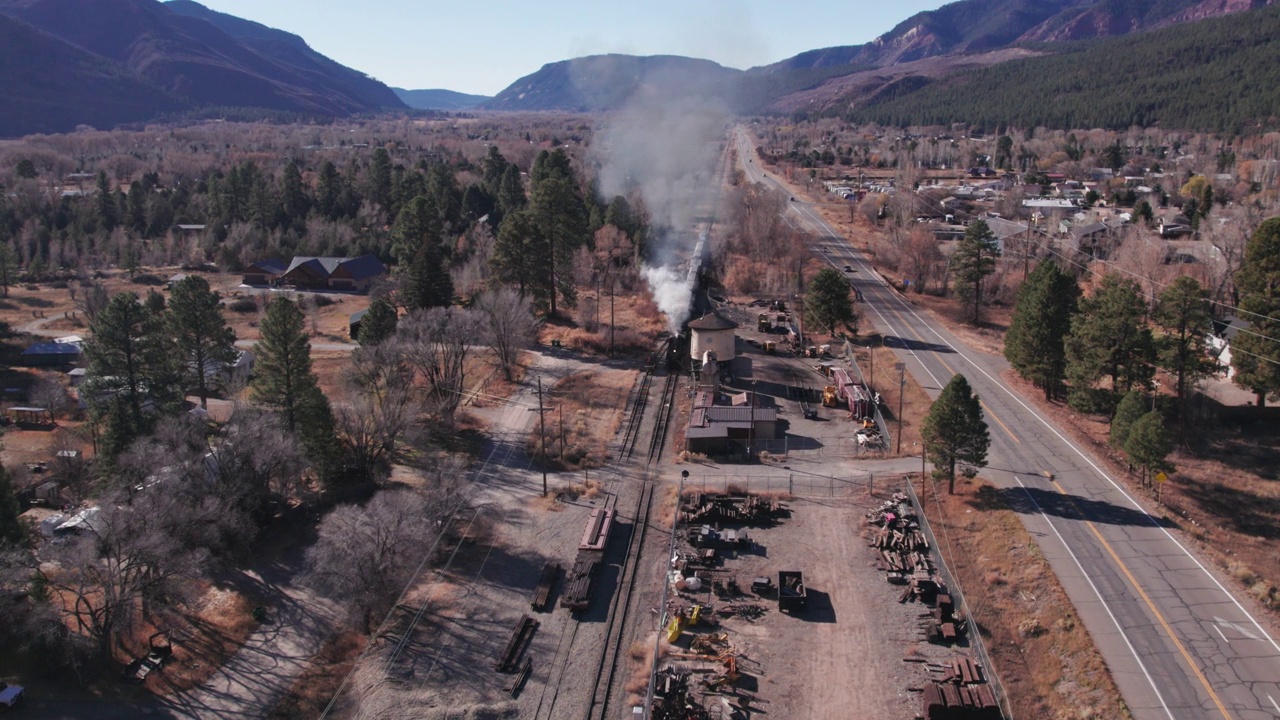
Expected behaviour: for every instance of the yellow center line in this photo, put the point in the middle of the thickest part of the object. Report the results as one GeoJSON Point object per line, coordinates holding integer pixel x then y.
{"type": "Point", "coordinates": [991, 414]}
{"type": "Point", "coordinates": [1163, 623]}
{"type": "Point", "coordinates": [937, 356]}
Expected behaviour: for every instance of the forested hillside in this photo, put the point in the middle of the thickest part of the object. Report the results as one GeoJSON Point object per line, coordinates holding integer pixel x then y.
{"type": "Point", "coordinates": [1218, 75]}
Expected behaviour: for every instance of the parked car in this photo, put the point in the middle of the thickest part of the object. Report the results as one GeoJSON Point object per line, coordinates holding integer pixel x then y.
{"type": "Point", "coordinates": [848, 268]}
{"type": "Point", "coordinates": [10, 695]}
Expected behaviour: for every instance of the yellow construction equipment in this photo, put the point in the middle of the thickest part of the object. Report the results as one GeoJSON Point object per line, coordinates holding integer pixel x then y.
{"type": "Point", "coordinates": [770, 346]}
{"type": "Point", "coordinates": [830, 398]}
{"type": "Point", "coordinates": [763, 324]}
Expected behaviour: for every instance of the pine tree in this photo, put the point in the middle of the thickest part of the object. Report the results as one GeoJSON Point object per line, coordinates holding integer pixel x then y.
{"type": "Point", "coordinates": [561, 217]}
{"type": "Point", "coordinates": [293, 196]}
{"type": "Point", "coordinates": [283, 380]}
{"type": "Point", "coordinates": [415, 226]}
{"type": "Point", "coordinates": [1256, 353]}
{"type": "Point", "coordinates": [511, 197]}
{"type": "Point", "coordinates": [8, 267]}
{"type": "Point", "coordinates": [1148, 445]}
{"type": "Point", "coordinates": [955, 434]}
{"type": "Point", "coordinates": [11, 530]}
{"type": "Point", "coordinates": [1134, 405]}
{"type": "Point", "coordinates": [195, 321]}
{"type": "Point", "coordinates": [973, 260]}
{"type": "Point", "coordinates": [379, 323]}
{"type": "Point", "coordinates": [380, 177]}
{"type": "Point", "coordinates": [329, 191]}
{"type": "Point", "coordinates": [1184, 313]}
{"type": "Point", "coordinates": [1109, 338]}
{"type": "Point", "coordinates": [519, 257]}
{"type": "Point", "coordinates": [132, 365]}
{"type": "Point", "coordinates": [427, 282]}
{"type": "Point", "coordinates": [1041, 319]}
{"type": "Point", "coordinates": [827, 306]}
{"type": "Point", "coordinates": [106, 202]}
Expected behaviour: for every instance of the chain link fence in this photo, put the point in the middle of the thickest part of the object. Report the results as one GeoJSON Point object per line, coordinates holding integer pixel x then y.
{"type": "Point", "coordinates": [976, 644]}
{"type": "Point", "coordinates": [796, 484]}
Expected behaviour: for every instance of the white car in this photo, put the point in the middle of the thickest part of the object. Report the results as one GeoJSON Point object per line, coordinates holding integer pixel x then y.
{"type": "Point", "coordinates": [10, 695]}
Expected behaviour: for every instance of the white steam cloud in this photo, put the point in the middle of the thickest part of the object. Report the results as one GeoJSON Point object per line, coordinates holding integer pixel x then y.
{"type": "Point", "coordinates": [663, 145]}
{"type": "Point", "coordinates": [672, 291]}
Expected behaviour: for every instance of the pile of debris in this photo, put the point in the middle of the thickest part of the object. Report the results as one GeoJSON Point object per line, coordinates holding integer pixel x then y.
{"type": "Point", "coordinates": [703, 508]}
{"type": "Point", "coordinates": [672, 699]}
{"type": "Point", "coordinates": [904, 553]}
{"type": "Point", "coordinates": [960, 693]}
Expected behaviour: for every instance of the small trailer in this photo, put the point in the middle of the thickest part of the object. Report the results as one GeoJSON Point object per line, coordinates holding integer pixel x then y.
{"type": "Point", "coordinates": [792, 595]}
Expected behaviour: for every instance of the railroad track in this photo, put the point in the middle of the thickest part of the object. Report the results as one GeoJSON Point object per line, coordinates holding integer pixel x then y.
{"type": "Point", "coordinates": [666, 409]}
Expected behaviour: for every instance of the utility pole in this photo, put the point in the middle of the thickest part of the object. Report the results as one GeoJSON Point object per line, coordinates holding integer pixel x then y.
{"type": "Point", "coordinates": [902, 383]}
{"type": "Point", "coordinates": [542, 419]}
{"type": "Point", "coordinates": [613, 290]}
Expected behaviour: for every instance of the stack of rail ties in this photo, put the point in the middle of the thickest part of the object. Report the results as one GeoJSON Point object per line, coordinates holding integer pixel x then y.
{"type": "Point", "coordinates": [509, 661]}
{"type": "Point", "coordinates": [904, 551]}
{"type": "Point", "coordinates": [577, 591]}
{"type": "Point", "coordinates": [960, 693]}
{"type": "Point", "coordinates": [712, 508]}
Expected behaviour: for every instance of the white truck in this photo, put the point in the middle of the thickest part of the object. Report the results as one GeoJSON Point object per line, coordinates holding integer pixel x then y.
{"type": "Point", "coordinates": [10, 695]}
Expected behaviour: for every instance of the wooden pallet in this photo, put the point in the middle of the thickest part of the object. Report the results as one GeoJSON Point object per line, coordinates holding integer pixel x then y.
{"type": "Point", "coordinates": [521, 638]}
{"type": "Point", "coordinates": [546, 583]}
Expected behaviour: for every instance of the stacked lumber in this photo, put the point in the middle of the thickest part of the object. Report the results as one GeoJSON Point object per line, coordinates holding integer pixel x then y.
{"type": "Point", "coordinates": [546, 582]}
{"type": "Point", "coordinates": [577, 587]}
{"type": "Point", "coordinates": [962, 693]}
{"type": "Point", "coordinates": [521, 638]}
{"type": "Point", "coordinates": [596, 534]}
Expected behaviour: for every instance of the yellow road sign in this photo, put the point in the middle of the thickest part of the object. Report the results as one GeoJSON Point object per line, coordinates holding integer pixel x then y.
{"type": "Point", "coordinates": [1161, 477]}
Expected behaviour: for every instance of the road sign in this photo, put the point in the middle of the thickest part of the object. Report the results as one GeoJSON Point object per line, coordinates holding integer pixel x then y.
{"type": "Point", "coordinates": [1161, 477]}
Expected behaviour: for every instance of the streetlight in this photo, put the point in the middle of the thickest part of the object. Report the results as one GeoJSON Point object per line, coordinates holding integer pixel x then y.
{"type": "Point", "coordinates": [902, 382]}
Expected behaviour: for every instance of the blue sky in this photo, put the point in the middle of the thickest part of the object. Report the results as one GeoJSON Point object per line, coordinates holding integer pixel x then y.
{"type": "Point", "coordinates": [481, 46]}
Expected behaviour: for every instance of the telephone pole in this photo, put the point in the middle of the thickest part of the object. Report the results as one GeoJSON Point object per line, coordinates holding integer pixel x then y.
{"type": "Point", "coordinates": [902, 383]}
{"type": "Point", "coordinates": [542, 420]}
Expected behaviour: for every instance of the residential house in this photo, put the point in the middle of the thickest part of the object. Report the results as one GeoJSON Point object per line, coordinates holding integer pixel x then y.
{"type": "Point", "coordinates": [264, 272]}
{"type": "Point", "coordinates": [332, 273]}
{"type": "Point", "coordinates": [1219, 341]}
{"type": "Point", "coordinates": [49, 354]}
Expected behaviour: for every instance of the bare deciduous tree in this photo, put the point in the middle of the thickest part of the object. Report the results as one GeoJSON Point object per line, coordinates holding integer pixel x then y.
{"type": "Point", "coordinates": [920, 258]}
{"type": "Point", "coordinates": [509, 326]}
{"type": "Point", "coordinates": [365, 555]}
{"type": "Point", "coordinates": [381, 419]}
{"type": "Point", "coordinates": [436, 341]}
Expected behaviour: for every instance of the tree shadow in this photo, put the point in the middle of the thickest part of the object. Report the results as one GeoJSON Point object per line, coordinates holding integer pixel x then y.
{"type": "Point", "coordinates": [36, 302]}
{"type": "Point", "coordinates": [1246, 513]}
{"type": "Point", "coordinates": [1033, 501]}
{"type": "Point", "coordinates": [901, 343]}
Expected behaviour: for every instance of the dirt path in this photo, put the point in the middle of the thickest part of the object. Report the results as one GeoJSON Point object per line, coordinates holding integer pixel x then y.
{"type": "Point", "coordinates": [257, 676]}
{"type": "Point", "coordinates": [36, 327]}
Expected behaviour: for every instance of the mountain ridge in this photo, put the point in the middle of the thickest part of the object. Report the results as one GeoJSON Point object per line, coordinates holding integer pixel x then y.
{"type": "Point", "coordinates": [170, 60]}
{"type": "Point", "coordinates": [439, 99]}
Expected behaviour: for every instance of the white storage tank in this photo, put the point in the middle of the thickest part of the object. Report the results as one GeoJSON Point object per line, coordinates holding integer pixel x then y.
{"type": "Point", "coordinates": [712, 333]}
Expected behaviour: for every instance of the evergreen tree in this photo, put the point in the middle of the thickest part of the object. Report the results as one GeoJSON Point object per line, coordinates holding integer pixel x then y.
{"type": "Point", "coordinates": [1148, 445]}
{"type": "Point", "coordinates": [427, 282]}
{"type": "Point", "coordinates": [379, 322]}
{"type": "Point", "coordinates": [8, 267]}
{"type": "Point", "coordinates": [203, 339]}
{"type": "Point", "coordinates": [1109, 338]}
{"type": "Point", "coordinates": [1134, 405]}
{"type": "Point", "coordinates": [415, 226]}
{"type": "Point", "coordinates": [106, 203]}
{"type": "Point", "coordinates": [329, 191]}
{"type": "Point", "coordinates": [1256, 353]}
{"type": "Point", "coordinates": [495, 167]}
{"type": "Point", "coordinates": [511, 197]}
{"type": "Point", "coordinates": [548, 164]}
{"type": "Point", "coordinates": [11, 531]}
{"type": "Point", "coordinates": [132, 364]}
{"type": "Point", "coordinates": [518, 254]}
{"type": "Point", "coordinates": [973, 260]}
{"type": "Point", "coordinates": [955, 434]}
{"type": "Point", "coordinates": [1041, 319]}
{"type": "Point", "coordinates": [380, 178]}
{"type": "Point", "coordinates": [561, 218]}
{"type": "Point", "coordinates": [1184, 313]}
{"type": "Point", "coordinates": [283, 380]}
{"type": "Point", "coordinates": [827, 306]}
{"type": "Point", "coordinates": [294, 203]}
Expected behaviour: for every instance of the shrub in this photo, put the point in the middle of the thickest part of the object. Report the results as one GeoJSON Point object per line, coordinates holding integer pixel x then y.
{"type": "Point", "coordinates": [147, 279]}
{"type": "Point", "coordinates": [243, 305]}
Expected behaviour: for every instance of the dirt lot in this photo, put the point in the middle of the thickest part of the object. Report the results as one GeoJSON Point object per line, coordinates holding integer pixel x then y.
{"type": "Point", "coordinates": [843, 656]}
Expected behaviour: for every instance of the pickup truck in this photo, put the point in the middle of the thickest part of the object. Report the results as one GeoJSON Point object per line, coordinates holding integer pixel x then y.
{"type": "Point", "coordinates": [10, 695]}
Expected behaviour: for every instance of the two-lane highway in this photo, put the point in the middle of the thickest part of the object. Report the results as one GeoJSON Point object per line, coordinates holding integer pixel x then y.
{"type": "Point", "coordinates": [1178, 642]}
